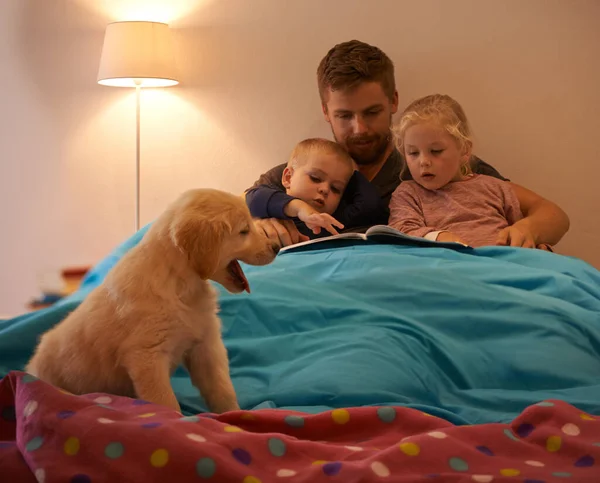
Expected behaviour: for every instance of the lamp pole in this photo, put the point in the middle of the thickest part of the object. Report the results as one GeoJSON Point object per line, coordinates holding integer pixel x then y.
{"type": "Point", "coordinates": [138, 84]}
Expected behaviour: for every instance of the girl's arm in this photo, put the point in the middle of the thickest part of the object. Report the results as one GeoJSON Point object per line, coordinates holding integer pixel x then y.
{"type": "Point", "coordinates": [406, 214]}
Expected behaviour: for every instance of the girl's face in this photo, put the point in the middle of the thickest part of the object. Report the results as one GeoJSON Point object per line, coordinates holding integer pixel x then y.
{"type": "Point", "coordinates": [433, 156]}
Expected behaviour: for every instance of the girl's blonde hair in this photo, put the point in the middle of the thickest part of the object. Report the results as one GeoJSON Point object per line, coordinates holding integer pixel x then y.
{"type": "Point", "coordinates": [439, 109]}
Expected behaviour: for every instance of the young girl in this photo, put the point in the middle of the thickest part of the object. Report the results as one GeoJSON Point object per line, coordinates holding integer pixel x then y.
{"type": "Point", "coordinates": [445, 201]}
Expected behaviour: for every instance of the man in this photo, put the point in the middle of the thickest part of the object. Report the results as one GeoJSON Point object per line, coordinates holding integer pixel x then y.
{"type": "Point", "coordinates": [358, 97]}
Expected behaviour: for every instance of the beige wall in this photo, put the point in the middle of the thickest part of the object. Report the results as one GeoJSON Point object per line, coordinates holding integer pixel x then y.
{"type": "Point", "coordinates": [526, 71]}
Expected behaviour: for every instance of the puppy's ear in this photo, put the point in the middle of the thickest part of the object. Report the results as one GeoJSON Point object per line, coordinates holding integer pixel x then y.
{"type": "Point", "coordinates": [200, 239]}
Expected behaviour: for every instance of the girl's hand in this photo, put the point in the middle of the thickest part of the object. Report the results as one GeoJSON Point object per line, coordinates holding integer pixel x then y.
{"type": "Point", "coordinates": [447, 236]}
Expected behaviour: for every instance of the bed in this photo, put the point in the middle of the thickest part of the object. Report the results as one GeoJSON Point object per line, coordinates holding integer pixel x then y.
{"type": "Point", "coordinates": [352, 361]}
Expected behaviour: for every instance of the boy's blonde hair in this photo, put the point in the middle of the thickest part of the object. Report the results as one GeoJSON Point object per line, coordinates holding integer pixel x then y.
{"type": "Point", "coordinates": [309, 147]}
{"type": "Point", "coordinates": [439, 109]}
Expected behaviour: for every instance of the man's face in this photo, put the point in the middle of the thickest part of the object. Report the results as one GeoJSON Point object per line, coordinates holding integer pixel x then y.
{"type": "Point", "coordinates": [361, 119]}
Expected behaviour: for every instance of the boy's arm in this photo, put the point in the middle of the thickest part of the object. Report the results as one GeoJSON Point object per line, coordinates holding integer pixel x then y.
{"type": "Point", "coordinates": [361, 204]}
{"type": "Point", "coordinates": [282, 231]}
{"type": "Point", "coordinates": [313, 219]}
{"type": "Point", "coordinates": [271, 178]}
{"type": "Point", "coordinates": [267, 202]}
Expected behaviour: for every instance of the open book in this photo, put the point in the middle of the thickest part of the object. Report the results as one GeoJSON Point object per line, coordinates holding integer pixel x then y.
{"type": "Point", "coordinates": [380, 234]}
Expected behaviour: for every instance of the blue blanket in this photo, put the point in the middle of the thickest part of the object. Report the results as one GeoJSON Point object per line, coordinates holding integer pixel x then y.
{"type": "Point", "coordinates": [472, 337]}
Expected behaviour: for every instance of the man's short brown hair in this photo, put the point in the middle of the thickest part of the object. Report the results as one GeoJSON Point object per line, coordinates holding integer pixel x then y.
{"type": "Point", "coordinates": [350, 63]}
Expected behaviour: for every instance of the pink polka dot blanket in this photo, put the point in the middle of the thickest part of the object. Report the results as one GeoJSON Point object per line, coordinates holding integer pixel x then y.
{"type": "Point", "coordinates": [47, 435]}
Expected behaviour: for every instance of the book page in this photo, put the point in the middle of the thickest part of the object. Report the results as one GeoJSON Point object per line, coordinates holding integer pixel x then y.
{"type": "Point", "coordinates": [341, 236]}
{"type": "Point", "coordinates": [385, 231]}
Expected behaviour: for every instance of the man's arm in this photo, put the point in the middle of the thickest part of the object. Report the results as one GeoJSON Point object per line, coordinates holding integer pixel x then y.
{"type": "Point", "coordinates": [543, 222]}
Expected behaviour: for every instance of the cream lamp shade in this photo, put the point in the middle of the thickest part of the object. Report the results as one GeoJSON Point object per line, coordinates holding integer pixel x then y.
{"type": "Point", "coordinates": [137, 54]}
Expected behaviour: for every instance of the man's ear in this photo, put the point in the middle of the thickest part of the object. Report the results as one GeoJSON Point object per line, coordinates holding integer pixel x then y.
{"type": "Point", "coordinates": [286, 177]}
{"type": "Point", "coordinates": [325, 111]}
{"type": "Point", "coordinates": [200, 239]}
{"type": "Point", "coordinates": [394, 103]}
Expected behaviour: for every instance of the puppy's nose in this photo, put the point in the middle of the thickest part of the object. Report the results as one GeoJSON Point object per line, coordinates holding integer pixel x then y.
{"type": "Point", "coordinates": [275, 247]}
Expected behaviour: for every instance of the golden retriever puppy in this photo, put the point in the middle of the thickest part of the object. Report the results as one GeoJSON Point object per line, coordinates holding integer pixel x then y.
{"type": "Point", "coordinates": [156, 308]}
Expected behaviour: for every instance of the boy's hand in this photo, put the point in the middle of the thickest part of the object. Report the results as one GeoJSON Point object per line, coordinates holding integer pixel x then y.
{"type": "Point", "coordinates": [312, 218]}
{"type": "Point", "coordinates": [316, 221]}
{"type": "Point", "coordinates": [447, 236]}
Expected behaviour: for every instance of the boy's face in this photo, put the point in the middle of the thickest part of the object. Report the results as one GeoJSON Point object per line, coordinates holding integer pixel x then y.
{"type": "Point", "coordinates": [320, 181]}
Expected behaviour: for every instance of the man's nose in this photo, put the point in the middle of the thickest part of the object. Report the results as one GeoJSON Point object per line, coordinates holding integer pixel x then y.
{"type": "Point", "coordinates": [359, 126]}
{"type": "Point", "coordinates": [275, 247]}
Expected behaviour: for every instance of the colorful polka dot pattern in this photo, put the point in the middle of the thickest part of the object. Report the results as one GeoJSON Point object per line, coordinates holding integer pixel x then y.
{"type": "Point", "coordinates": [549, 442]}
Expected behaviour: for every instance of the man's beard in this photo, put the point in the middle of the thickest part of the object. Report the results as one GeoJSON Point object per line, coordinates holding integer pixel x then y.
{"type": "Point", "coordinates": [361, 156]}
{"type": "Point", "coordinates": [373, 154]}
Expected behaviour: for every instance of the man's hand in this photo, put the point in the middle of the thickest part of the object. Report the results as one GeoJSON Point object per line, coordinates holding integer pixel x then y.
{"type": "Point", "coordinates": [283, 232]}
{"type": "Point", "coordinates": [517, 235]}
{"type": "Point", "coordinates": [447, 236]}
{"type": "Point", "coordinates": [544, 220]}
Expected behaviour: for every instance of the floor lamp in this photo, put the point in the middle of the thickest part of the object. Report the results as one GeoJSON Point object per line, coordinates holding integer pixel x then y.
{"type": "Point", "coordinates": [137, 54]}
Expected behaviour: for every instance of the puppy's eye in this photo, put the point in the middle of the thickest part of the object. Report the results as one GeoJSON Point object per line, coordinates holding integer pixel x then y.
{"type": "Point", "coordinates": [245, 231]}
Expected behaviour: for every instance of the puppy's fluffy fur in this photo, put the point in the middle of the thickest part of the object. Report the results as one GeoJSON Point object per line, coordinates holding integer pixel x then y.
{"type": "Point", "coordinates": [156, 308]}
